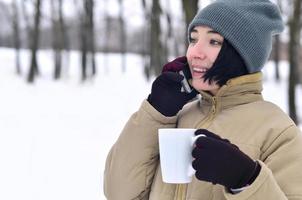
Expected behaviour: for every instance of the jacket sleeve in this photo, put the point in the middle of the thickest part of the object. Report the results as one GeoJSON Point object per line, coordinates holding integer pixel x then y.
{"type": "Point", "coordinates": [132, 161]}
{"type": "Point", "coordinates": [280, 177]}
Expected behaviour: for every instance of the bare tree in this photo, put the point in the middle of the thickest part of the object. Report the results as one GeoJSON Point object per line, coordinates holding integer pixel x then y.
{"type": "Point", "coordinates": [107, 34]}
{"type": "Point", "coordinates": [87, 40]}
{"type": "Point", "coordinates": [5, 16]}
{"type": "Point", "coordinates": [294, 49]}
{"type": "Point", "coordinates": [107, 27]}
{"type": "Point", "coordinates": [171, 33]}
{"type": "Point", "coordinates": [122, 35]}
{"type": "Point", "coordinates": [169, 29]}
{"type": "Point", "coordinates": [16, 34]}
{"type": "Point", "coordinates": [57, 36]}
{"type": "Point", "coordinates": [146, 40]}
{"type": "Point", "coordinates": [91, 35]}
{"type": "Point", "coordinates": [190, 8]}
{"type": "Point", "coordinates": [11, 15]}
{"type": "Point", "coordinates": [157, 52]}
{"type": "Point", "coordinates": [64, 35]}
{"type": "Point", "coordinates": [276, 55]}
{"type": "Point", "coordinates": [83, 40]}
{"type": "Point", "coordinates": [277, 49]}
{"type": "Point", "coordinates": [27, 21]}
{"type": "Point", "coordinates": [33, 71]}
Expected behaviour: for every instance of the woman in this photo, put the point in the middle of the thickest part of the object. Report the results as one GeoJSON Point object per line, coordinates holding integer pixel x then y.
{"type": "Point", "coordinates": [252, 150]}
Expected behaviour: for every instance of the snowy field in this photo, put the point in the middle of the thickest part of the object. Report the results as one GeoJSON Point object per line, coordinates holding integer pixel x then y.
{"type": "Point", "coordinates": [54, 136]}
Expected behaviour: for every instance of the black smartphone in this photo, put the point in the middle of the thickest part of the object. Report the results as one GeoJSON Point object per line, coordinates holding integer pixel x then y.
{"type": "Point", "coordinates": [186, 73]}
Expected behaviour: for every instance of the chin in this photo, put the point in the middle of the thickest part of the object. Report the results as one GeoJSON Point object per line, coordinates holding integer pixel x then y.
{"type": "Point", "coordinates": [200, 85]}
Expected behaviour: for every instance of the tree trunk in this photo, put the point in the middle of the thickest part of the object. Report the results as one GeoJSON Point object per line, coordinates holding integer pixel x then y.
{"type": "Point", "coordinates": [57, 37]}
{"type": "Point", "coordinates": [294, 49]}
{"type": "Point", "coordinates": [146, 30]}
{"type": "Point", "coordinates": [190, 8]}
{"type": "Point", "coordinates": [83, 39]}
{"type": "Point", "coordinates": [84, 61]}
{"type": "Point", "coordinates": [107, 35]}
{"type": "Point", "coordinates": [65, 42]}
{"type": "Point", "coordinates": [146, 41]}
{"type": "Point", "coordinates": [17, 41]}
{"type": "Point", "coordinates": [174, 44]}
{"type": "Point", "coordinates": [278, 48]}
{"type": "Point", "coordinates": [169, 33]}
{"type": "Point", "coordinates": [91, 38]}
{"type": "Point", "coordinates": [122, 36]}
{"type": "Point", "coordinates": [28, 27]}
{"type": "Point", "coordinates": [277, 57]}
{"type": "Point", "coordinates": [83, 48]}
{"type": "Point", "coordinates": [33, 71]}
{"type": "Point", "coordinates": [87, 40]}
{"type": "Point", "coordinates": [157, 59]}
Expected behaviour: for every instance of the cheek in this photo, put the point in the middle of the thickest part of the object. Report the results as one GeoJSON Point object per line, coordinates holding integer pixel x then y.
{"type": "Point", "coordinates": [213, 54]}
{"type": "Point", "coordinates": [190, 54]}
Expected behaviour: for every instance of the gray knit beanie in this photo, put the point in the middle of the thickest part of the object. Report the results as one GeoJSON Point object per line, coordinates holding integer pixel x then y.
{"type": "Point", "coordinates": [247, 24]}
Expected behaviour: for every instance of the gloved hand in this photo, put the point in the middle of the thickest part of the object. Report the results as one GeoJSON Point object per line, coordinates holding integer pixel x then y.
{"type": "Point", "coordinates": [166, 96]}
{"type": "Point", "coordinates": [176, 65]}
{"type": "Point", "coordinates": [180, 65]}
{"type": "Point", "coordinates": [219, 161]}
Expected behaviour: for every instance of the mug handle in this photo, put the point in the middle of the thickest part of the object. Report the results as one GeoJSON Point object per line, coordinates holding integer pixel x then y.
{"type": "Point", "coordinates": [192, 171]}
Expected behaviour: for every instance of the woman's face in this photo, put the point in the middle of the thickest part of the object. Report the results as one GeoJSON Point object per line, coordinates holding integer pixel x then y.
{"type": "Point", "coordinates": [204, 47]}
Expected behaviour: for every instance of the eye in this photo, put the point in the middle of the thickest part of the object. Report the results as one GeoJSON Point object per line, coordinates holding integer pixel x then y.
{"type": "Point", "coordinates": [215, 42]}
{"type": "Point", "coordinates": [192, 40]}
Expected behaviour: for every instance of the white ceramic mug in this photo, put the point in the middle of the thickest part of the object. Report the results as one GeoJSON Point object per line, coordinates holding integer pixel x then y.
{"type": "Point", "coordinates": [175, 150]}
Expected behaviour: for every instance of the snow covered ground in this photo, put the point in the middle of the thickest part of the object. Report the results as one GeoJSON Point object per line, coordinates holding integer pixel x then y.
{"type": "Point", "coordinates": [54, 136]}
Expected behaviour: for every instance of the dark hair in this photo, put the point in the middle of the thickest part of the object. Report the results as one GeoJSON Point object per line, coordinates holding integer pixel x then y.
{"type": "Point", "coordinates": [228, 64]}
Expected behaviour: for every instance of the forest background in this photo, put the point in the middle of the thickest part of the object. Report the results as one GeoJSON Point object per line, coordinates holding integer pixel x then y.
{"type": "Point", "coordinates": [73, 71]}
{"type": "Point", "coordinates": [154, 29]}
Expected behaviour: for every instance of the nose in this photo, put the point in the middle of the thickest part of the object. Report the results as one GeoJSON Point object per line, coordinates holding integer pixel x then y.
{"type": "Point", "coordinates": [198, 50]}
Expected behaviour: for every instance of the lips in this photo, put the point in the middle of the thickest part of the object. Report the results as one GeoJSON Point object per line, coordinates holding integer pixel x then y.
{"type": "Point", "coordinates": [198, 72]}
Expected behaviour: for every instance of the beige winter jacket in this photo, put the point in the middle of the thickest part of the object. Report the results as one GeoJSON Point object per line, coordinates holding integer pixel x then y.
{"type": "Point", "coordinates": [237, 113]}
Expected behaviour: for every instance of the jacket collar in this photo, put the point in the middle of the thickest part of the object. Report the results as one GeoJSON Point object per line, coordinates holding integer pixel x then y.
{"type": "Point", "coordinates": [237, 91]}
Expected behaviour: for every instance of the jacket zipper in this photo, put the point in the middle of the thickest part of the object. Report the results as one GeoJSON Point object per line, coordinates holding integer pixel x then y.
{"type": "Point", "coordinates": [206, 122]}
{"type": "Point", "coordinates": [180, 193]}
{"type": "Point", "coordinates": [181, 189]}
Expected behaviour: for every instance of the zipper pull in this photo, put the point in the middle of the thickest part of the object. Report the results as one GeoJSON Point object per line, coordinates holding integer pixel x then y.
{"type": "Point", "coordinates": [214, 104]}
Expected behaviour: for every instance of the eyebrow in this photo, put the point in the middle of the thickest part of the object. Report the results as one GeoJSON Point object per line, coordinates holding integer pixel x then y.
{"type": "Point", "coordinates": [194, 30]}
{"type": "Point", "coordinates": [212, 31]}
